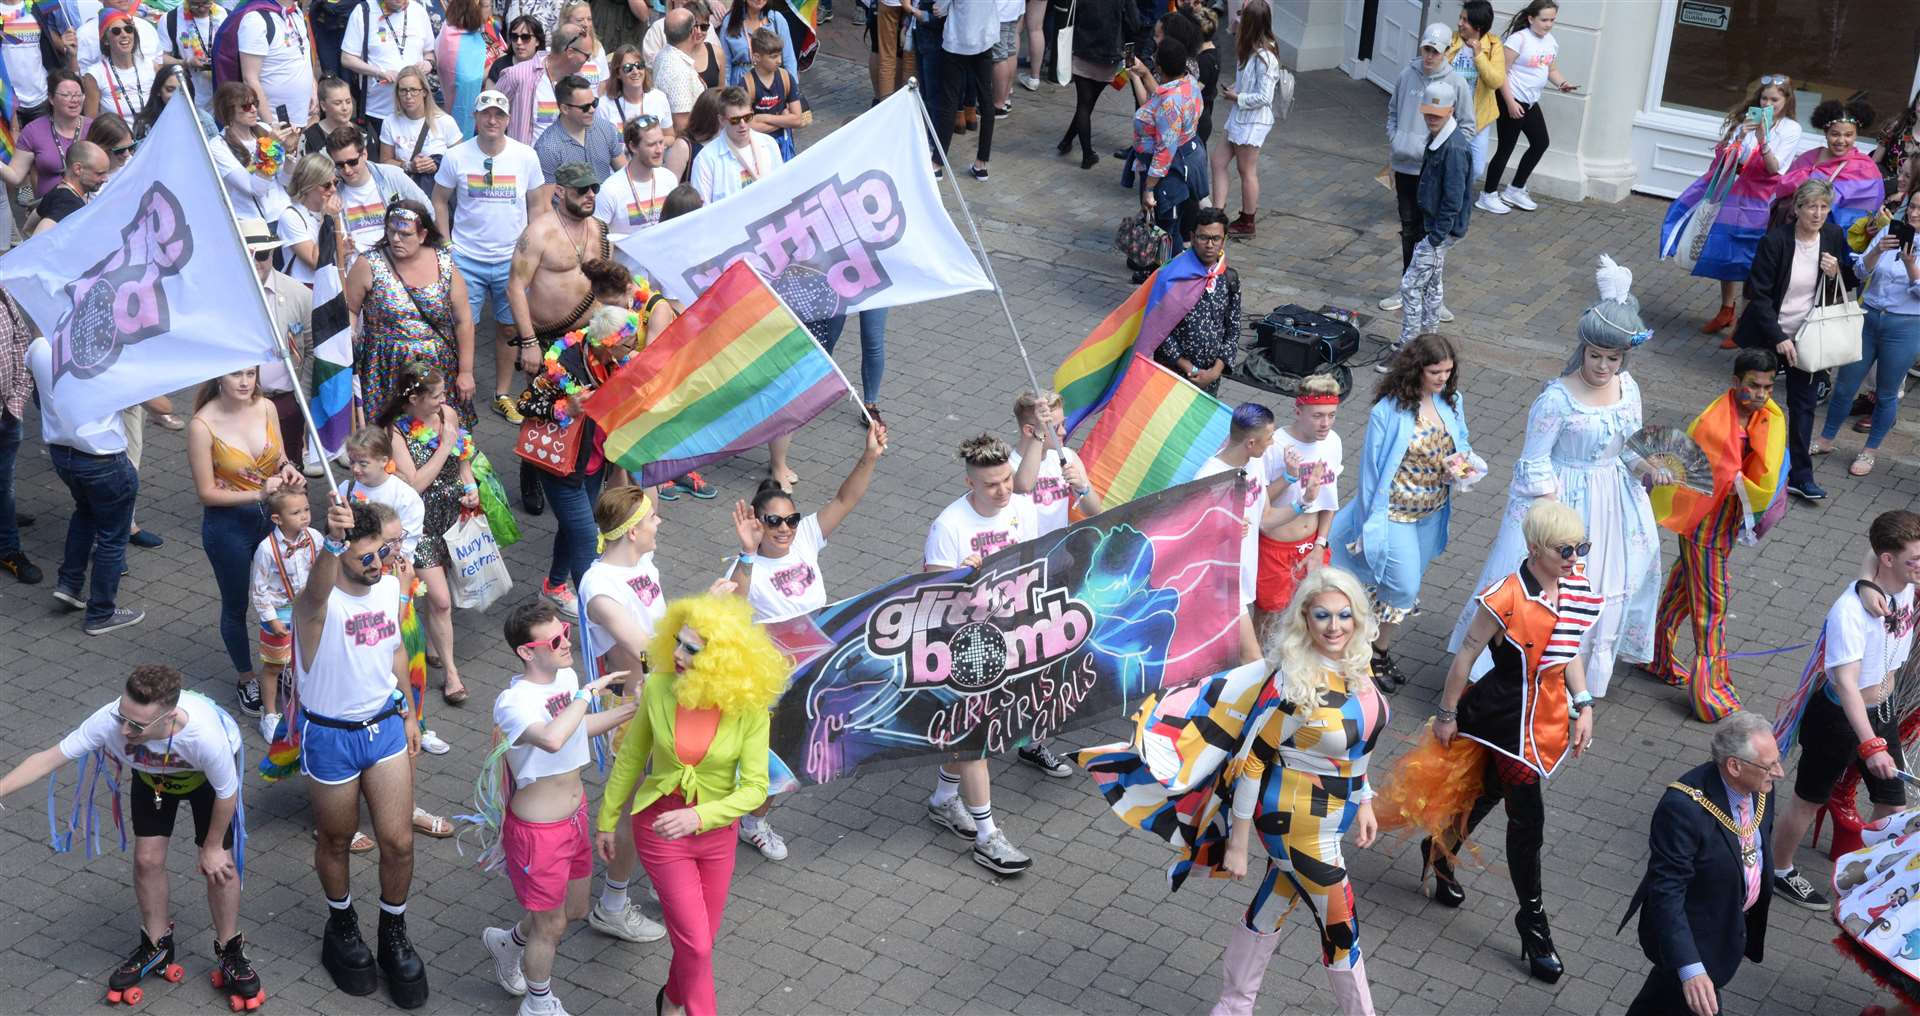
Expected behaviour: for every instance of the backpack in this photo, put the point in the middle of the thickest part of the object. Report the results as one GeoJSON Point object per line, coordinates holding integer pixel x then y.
{"type": "Point", "coordinates": [226, 42]}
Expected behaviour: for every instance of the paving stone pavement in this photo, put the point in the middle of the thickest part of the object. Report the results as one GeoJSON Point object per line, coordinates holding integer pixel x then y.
{"type": "Point", "coordinates": [875, 911]}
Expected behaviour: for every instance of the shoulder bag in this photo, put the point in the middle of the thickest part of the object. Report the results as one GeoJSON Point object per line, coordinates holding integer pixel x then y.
{"type": "Point", "coordinates": [1830, 336]}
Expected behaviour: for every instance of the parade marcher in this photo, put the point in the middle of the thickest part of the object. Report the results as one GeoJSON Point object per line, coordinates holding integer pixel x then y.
{"type": "Point", "coordinates": [384, 38]}
{"type": "Point", "coordinates": [701, 736]}
{"type": "Point", "coordinates": [90, 457]}
{"type": "Point", "coordinates": [42, 145]}
{"type": "Point", "coordinates": [1703, 903]}
{"type": "Point", "coordinates": [1446, 177]}
{"type": "Point", "coordinates": [1519, 719]}
{"type": "Point", "coordinates": [292, 307]}
{"type": "Point", "coordinates": [530, 87]}
{"type": "Point", "coordinates": [579, 14]}
{"type": "Point", "coordinates": [368, 187]}
{"type": "Point", "coordinates": [417, 135]}
{"type": "Point", "coordinates": [1306, 450]}
{"type": "Point", "coordinates": [1248, 438]}
{"type": "Point", "coordinates": [545, 839]}
{"type": "Point", "coordinates": [1044, 468]}
{"type": "Point", "coordinates": [1843, 712]}
{"type": "Point", "coordinates": [1411, 133]}
{"type": "Point", "coordinates": [740, 157]}
{"type": "Point", "coordinates": [1858, 189]}
{"type": "Point", "coordinates": [413, 306]}
{"type": "Point", "coordinates": [1575, 432]}
{"type": "Point", "coordinates": [370, 459]}
{"type": "Point", "coordinates": [468, 44]}
{"type": "Point", "coordinates": [279, 571]}
{"type": "Point", "coordinates": [736, 34]}
{"type": "Point", "coordinates": [579, 134]}
{"type": "Point", "coordinates": [1890, 339]}
{"type": "Point", "coordinates": [357, 740]}
{"type": "Point", "coordinates": [1416, 452]}
{"type": "Point", "coordinates": [87, 168]}
{"type": "Point", "coordinates": [250, 155]}
{"type": "Point", "coordinates": [488, 189]}
{"type": "Point", "coordinates": [675, 70]}
{"type": "Point", "coordinates": [180, 747]}
{"type": "Point", "coordinates": [1284, 758]}
{"type": "Point", "coordinates": [276, 62]}
{"type": "Point", "coordinates": [629, 93]}
{"type": "Point", "coordinates": [123, 78]}
{"type": "Point", "coordinates": [778, 107]}
{"type": "Point", "coordinates": [1203, 344]}
{"type": "Point", "coordinates": [337, 110]}
{"type": "Point", "coordinates": [526, 39]}
{"type": "Point", "coordinates": [630, 199]}
{"type": "Point", "coordinates": [1744, 436]}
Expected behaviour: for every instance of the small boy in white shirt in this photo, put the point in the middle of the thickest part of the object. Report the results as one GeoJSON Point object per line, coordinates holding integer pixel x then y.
{"type": "Point", "coordinates": [370, 456]}
{"type": "Point", "coordinates": [280, 567]}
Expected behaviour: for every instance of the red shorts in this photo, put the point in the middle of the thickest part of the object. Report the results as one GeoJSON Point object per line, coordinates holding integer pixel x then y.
{"type": "Point", "coordinates": [1282, 566]}
{"type": "Point", "coordinates": [542, 857]}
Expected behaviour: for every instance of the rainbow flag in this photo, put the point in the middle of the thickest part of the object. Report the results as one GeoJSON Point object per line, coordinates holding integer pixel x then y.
{"type": "Point", "coordinates": [803, 22]}
{"type": "Point", "coordinates": [413, 636]}
{"type": "Point", "coordinates": [1091, 373]}
{"type": "Point", "coordinates": [6, 113]}
{"type": "Point", "coordinates": [1751, 466]}
{"type": "Point", "coordinates": [1156, 432]}
{"type": "Point", "coordinates": [735, 371]}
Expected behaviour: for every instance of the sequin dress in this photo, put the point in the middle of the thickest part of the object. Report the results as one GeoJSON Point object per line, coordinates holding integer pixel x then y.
{"type": "Point", "coordinates": [441, 498]}
{"type": "Point", "coordinates": [394, 332]}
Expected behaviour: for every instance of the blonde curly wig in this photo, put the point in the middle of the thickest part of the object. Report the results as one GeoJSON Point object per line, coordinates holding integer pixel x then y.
{"type": "Point", "coordinates": [738, 670]}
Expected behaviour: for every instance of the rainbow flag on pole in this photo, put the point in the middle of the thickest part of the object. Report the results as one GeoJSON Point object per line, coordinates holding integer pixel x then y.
{"type": "Point", "coordinates": [735, 371]}
{"type": "Point", "coordinates": [6, 113]}
{"type": "Point", "coordinates": [1092, 372]}
{"type": "Point", "coordinates": [1157, 431]}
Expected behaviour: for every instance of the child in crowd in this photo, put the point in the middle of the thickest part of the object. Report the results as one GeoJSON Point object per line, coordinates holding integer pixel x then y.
{"type": "Point", "coordinates": [280, 567]}
{"type": "Point", "coordinates": [370, 457]}
{"type": "Point", "coordinates": [777, 105]}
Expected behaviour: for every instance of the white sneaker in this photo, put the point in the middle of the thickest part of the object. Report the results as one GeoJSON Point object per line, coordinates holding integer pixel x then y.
{"type": "Point", "coordinates": [269, 722]}
{"type": "Point", "coordinates": [1491, 203]}
{"type": "Point", "coordinates": [953, 815]}
{"type": "Point", "coordinates": [1516, 197]}
{"type": "Point", "coordinates": [545, 1005]}
{"type": "Point", "coordinates": [999, 856]}
{"type": "Point", "coordinates": [1443, 314]}
{"type": "Point", "coordinates": [1386, 359]}
{"type": "Point", "coordinates": [764, 839]}
{"type": "Point", "coordinates": [1029, 82]}
{"type": "Point", "coordinates": [506, 959]}
{"type": "Point", "coordinates": [432, 744]}
{"type": "Point", "coordinates": [630, 924]}
{"type": "Point", "coordinates": [1390, 302]}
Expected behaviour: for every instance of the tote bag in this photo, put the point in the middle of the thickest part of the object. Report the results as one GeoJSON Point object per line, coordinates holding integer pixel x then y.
{"type": "Point", "coordinates": [1830, 336]}
{"type": "Point", "coordinates": [477, 572]}
{"type": "Point", "coordinates": [1063, 50]}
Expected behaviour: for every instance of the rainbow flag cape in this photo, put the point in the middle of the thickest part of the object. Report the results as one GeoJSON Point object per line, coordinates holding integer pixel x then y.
{"type": "Point", "coordinates": [1157, 431]}
{"type": "Point", "coordinates": [1090, 374]}
{"type": "Point", "coordinates": [735, 371]}
{"type": "Point", "coordinates": [1758, 478]}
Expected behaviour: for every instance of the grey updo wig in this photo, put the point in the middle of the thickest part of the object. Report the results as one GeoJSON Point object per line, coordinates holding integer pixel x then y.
{"type": "Point", "coordinates": [1614, 323]}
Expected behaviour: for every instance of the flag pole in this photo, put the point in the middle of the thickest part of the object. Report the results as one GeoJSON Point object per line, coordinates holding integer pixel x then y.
{"type": "Point", "coordinates": [259, 290]}
{"type": "Point", "coordinates": [816, 341]}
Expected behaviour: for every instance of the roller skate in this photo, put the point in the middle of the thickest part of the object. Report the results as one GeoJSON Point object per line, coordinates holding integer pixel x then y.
{"type": "Point", "coordinates": [406, 974]}
{"type": "Point", "coordinates": [123, 985]}
{"type": "Point", "coordinates": [237, 977]}
{"type": "Point", "coordinates": [345, 954]}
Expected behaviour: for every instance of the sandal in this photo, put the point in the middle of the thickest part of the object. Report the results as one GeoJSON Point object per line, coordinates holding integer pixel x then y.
{"type": "Point", "coordinates": [453, 696]}
{"type": "Point", "coordinates": [431, 824]}
{"type": "Point", "coordinates": [360, 844]}
{"type": "Point", "coordinates": [434, 661]}
{"type": "Point", "coordinates": [1862, 464]}
{"type": "Point", "coordinates": [169, 421]}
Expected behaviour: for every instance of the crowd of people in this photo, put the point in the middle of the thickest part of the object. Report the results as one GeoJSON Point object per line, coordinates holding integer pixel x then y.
{"type": "Point", "coordinates": [456, 176]}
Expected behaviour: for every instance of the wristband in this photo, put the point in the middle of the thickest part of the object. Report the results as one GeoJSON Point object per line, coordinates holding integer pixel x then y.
{"type": "Point", "coordinates": [1446, 715]}
{"type": "Point", "coordinates": [748, 560]}
{"type": "Point", "coordinates": [1082, 491]}
{"type": "Point", "coordinates": [582, 695]}
{"type": "Point", "coordinates": [1872, 746]}
{"type": "Point", "coordinates": [333, 546]}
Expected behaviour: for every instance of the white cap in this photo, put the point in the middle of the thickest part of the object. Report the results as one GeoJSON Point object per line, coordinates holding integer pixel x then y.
{"type": "Point", "coordinates": [1438, 97]}
{"type": "Point", "coordinates": [491, 99]}
{"type": "Point", "coordinates": [1437, 37]}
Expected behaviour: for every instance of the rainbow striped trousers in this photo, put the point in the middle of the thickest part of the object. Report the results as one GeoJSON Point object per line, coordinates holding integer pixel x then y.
{"type": "Point", "coordinates": [1697, 588]}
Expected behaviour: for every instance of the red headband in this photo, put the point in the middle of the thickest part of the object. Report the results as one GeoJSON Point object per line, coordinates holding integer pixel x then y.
{"type": "Point", "coordinates": [1316, 400]}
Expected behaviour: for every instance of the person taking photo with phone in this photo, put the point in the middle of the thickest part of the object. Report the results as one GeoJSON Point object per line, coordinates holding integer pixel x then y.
{"type": "Point", "coordinates": [1890, 342]}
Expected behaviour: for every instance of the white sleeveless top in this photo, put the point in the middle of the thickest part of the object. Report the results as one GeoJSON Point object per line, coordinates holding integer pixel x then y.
{"type": "Point", "coordinates": [352, 674]}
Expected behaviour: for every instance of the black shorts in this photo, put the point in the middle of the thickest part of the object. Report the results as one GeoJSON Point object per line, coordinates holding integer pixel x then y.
{"type": "Point", "coordinates": [153, 813]}
{"type": "Point", "coordinates": [1828, 746]}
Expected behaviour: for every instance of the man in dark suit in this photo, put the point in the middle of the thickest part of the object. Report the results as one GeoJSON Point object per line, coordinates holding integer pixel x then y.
{"type": "Point", "coordinates": [1706, 890]}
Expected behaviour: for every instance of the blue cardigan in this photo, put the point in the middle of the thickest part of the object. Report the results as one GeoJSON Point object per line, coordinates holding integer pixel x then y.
{"type": "Point", "coordinates": [1389, 432]}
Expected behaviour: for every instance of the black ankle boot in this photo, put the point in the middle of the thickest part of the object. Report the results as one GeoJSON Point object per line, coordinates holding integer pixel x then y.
{"type": "Point", "coordinates": [1386, 673]}
{"type": "Point", "coordinates": [1536, 943]}
{"type": "Point", "coordinates": [345, 955]}
{"type": "Point", "coordinates": [406, 974]}
{"type": "Point", "coordinates": [1446, 888]}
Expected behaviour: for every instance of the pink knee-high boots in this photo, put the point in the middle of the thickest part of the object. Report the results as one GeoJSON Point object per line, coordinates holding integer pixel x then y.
{"type": "Point", "coordinates": [1245, 964]}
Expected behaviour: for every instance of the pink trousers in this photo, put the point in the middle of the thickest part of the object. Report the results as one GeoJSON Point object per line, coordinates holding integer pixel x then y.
{"type": "Point", "coordinates": [692, 876]}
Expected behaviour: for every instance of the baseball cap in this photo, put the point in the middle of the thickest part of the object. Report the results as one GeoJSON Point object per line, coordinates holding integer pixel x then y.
{"type": "Point", "coordinates": [1437, 37]}
{"type": "Point", "coordinates": [1438, 98]}
{"type": "Point", "coordinates": [575, 175]}
{"type": "Point", "coordinates": [491, 99]}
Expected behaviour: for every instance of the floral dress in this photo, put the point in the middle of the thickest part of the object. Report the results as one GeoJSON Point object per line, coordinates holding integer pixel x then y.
{"type": "Point", "coordinates": [442, 496]}
{"type": "Point", "coordinates": [400, 324]}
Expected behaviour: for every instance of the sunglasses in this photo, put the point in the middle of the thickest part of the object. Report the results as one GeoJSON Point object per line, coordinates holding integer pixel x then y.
{"type": "Point", "coordinates": [646, 121]}
{"type": "Point", "coordinates": [592, 188]}
{"type": "Point", "coordinates": [126, 149]}
{"type": "Point", "coordinates": [630, 68]}
{"type": "Point", "coordinates": [559, 639]}
{"type": "Point", "coordinates": [584, 107]}
{"type": "Point", "coordinates": [776, 521]}
{"type": "Point", "coordinates": [523, 36]}
{"type": "Point", "coordinates": [263, 255]}
{"type": "Point", "coordinates": [702, 25]}
{"type": "Point", "coordinates": [386, 550]}
{"type": "Point", "coordinates": [1572, 550]}
{"type": "Point", "coordinates": [119, 30]}
{"type": "Point", "coordinates": [487, 166]}
{"type": "Point", "coordinates": [687, 647]}
{"type": "Point", "coordinates": [248, 106]}
{"type": "Point", "coordinates": [738, 120]}
{"type": "Point", "coordinates": [347, 163]}
{"type": "Point", "coordinates": [137, 727]}
{"type": "Point", "coordinates": [1772, 79]}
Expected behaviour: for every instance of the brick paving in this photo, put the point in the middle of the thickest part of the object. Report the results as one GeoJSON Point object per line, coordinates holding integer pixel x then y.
{"type": "Point", "coordinates": [875, 912]}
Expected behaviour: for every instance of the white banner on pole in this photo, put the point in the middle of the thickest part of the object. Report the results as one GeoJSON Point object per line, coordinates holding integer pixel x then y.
{"type": "Point", "coordinates": [853, 223]}
{"type": "Point", "coordinates": [148, 288]}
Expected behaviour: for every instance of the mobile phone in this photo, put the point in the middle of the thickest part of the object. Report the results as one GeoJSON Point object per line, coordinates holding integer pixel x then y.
{"type": "Point", "coordinates": [281, 112]}
{"type": "Point", "coordinates": [1901, 230]}
{"type": "Point", "coordinates": [1126, 53]}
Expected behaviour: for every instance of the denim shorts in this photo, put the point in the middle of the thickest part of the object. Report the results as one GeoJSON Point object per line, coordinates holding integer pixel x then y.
{"type": "Point", "coordinates": [333, 756]}
{"type": "Point", "coordinates": [484, 281]}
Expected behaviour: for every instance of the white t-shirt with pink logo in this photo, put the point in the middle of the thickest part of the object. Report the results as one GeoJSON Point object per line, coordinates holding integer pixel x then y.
{"type": "Point", "coordinates": [960, 532]}
{"type": "Point", "coordinates": [781, 587]}
{"type": "Point", "coordinates": [524, 704]}
{"type": "Point", "coordinates": [1326, 452]}
{"type": "Point", "coordinates": [1251, 510]}
{"type": "Point", "coordinates": [1052, 495]}
{"type": "Point", "coordinates": [1527, 75]}
{"type": "Point", "coordinates": [352, 677]}
{"type": "Point", "coordinates": [634, 589]}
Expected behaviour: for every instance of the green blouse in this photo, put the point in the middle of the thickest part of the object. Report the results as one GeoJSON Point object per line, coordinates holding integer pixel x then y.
{"type": "Point", "coordinates": [728, 782]}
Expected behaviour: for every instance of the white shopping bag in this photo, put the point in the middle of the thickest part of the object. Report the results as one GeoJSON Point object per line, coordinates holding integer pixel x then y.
{"type": "Point", "coordinates": [476, 570]}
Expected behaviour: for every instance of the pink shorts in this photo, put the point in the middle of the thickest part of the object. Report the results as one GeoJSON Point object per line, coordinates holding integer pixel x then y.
{"type": "Point", "coordinates": [542, 857]}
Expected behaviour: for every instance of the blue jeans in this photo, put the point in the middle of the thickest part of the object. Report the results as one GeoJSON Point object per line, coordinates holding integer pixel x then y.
{"type": "Point", "coordinates": [873, 348]}
{"type": "Point", "coordinates": [230, 535]}
{"type": "Point", "coordinates": [1888, 346]}
{"type": "Point", "coordinates": [576, 536]}
{"type": "Point", "coordinates": [104, 488]}
{"type": "Point", "coordinates": [9, 450]}
{"type": "Point", "coordinates": [927, 31]}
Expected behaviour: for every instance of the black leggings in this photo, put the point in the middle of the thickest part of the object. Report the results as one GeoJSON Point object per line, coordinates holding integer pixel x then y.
{"type": "Point", "coordinates": [1520, 787]}
{"type": "Point", "coordinates": [1508, 131]}
{"type": "Point", "coordinates": [1086, 93]}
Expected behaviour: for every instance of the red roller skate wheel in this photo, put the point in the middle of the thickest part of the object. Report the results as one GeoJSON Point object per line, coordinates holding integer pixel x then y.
{"type": "Point", "coordinates": [174, 973]}
{"type": "Point", "coordinates": [133, 995]}
{"type": "Point", "coordinates": [113, 996]}
{"type": "Point", "coordinates": [218, 981]}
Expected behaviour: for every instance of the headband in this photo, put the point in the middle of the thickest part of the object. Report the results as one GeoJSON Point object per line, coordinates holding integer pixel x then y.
{"type": "Point", "coordinates": [640, 513]}
{"type": "Point", "coordinates": [1634, 339]}
{"type": "Point", "coordinates": [1316, 400]}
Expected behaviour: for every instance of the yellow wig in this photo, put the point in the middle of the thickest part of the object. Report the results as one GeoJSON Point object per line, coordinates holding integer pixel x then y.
{"type": "Point", "coordinates": [738, 670]}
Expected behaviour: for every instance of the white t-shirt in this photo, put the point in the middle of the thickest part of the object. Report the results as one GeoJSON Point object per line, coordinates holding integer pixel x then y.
{"type": "Point", "coordinates": [1327, 452]}
{"type": "Point", "coordinates": [1855, 636]}
{"type": "Point", "coordinates": [393, 41]}
{"type": "Point", "coordinates": [1052, 496]}
{"type": "Point", "coordinates": [87, 36]}
{"type": "Point", "coordinates": [1527, 75]}
{"type": "Point", "coordinates": [1783, 140]}
{"type": "Point", "coordinates": [187, 37]}
{"type": "Point", "coordinates": [1254, 506]}
{"type": "Point", "coordinates": [397, 495]}
{"type": "Point", "coordinates": [718, 171]}
{"type": "Point", "coordinates": [489, 209]}
{"type": "Point", "coordinates": [401, 133]}
{"type": "Point", "coordinates": [546, 108]}
{"type": "Point", "coordinates": [960, 532]}
{"type": "Point", "coordinates": [616, 111]}
{"type": "Point", "coordinates": [634, 590]}
{"type": "Point", "coordinates": [784, 586]}
{"type": "Point", "coordinates": [205, 745]}
{"type": "Point", "coordinates": [524, 704]}
{"type": "Point", "coordinates": [298, 225]}
{"type": "Point", "coordinates": [20, 49]}
{"type": "Point", "coordinates": [352, 675]}
{"type": "Point", "coordinates": [364, 209]}
{"type": "Point", "coordinates": [286, 72]}
{"type": "Point", "coordinates": [627, 207]}
{"type": "Point", "coordinates": [124, 90]}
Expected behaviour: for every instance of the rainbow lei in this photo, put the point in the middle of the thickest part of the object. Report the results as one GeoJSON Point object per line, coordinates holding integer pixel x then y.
{"type": "Point", "coordinates": [421, 435]}
{"type": "Point", "coordinates": [558, 377]}
{"type": "Point", "coordinates": [268, 154]}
